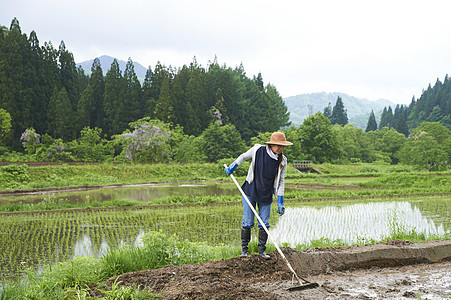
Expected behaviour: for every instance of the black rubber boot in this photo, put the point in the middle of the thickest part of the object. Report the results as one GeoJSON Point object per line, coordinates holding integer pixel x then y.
{"type": "Point", "coordinates": [262, 238]}
{"type": "Point", "coordinates": [245, 239]}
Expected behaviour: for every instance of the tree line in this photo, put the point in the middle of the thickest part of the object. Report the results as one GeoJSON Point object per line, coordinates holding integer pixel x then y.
{"type": "Point", "coordinates": [41, 88]}
{"type": "Point", "coordinates": [434, 105]}
{"type": "Point", "coordinates": [52, 111]}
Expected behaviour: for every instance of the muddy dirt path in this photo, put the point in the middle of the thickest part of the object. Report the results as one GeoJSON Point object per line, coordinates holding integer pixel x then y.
{"type": "Point", "coordinates": [393, 270]}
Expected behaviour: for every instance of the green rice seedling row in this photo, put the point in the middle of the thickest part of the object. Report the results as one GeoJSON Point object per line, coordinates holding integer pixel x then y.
{"type": "Point", "coordinates": [37, 239]}
{"type": "Point", "coordinates": [29, 240]}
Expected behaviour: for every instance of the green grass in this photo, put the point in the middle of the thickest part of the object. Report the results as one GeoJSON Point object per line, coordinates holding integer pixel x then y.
{"type": "Point", "coordinates": [363, 168]}
{"type": "Point", "coordinates": [20, 176]}
{"type": "Point", "coordinates": [72, 279]}
{"type": "Point", "coordinates": [24, 177]}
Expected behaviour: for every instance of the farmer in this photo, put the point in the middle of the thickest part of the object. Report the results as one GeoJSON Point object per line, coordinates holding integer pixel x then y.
{"type": "Point", "coordinates": [265, 178]}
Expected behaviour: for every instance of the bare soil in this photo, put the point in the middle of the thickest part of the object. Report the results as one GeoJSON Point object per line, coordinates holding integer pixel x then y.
{"type": "Point", "coordinates": [392, 270]}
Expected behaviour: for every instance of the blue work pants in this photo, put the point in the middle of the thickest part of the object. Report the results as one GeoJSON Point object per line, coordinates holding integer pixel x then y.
{"type": "Point", "coordinates": [264, 211]}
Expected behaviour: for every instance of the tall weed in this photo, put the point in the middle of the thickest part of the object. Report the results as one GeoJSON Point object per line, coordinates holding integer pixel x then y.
{"type": "Point", "coordinates": [158, 250]}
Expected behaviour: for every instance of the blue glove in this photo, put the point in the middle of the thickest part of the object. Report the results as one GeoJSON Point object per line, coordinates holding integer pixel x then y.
{"type": "Point", "coordinates": [280, 209]}
{"type": "Point", "coordinates": [230, 169]}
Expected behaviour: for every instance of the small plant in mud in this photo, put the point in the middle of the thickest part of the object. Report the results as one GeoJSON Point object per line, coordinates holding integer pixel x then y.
{"type": "Point", "coordinates": [51, 202]}
{"type": "Point", "coordinates": [77, 292]}
{"type": "Point", "coordinates": [125, 292]}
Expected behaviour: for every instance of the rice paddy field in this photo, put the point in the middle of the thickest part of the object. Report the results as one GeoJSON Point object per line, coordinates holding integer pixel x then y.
{"type": "Point", "coordinates": [329, 210]}
{"type": "Point", "coordinates": [32, 240]}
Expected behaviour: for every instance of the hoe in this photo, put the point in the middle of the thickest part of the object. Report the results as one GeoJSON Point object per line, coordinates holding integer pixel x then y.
{"type": "Point", "coordinates": [303, 284]}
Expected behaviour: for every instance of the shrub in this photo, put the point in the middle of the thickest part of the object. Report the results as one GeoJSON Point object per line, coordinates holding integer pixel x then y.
{"type": "Point", "coordinates": [13, 175]}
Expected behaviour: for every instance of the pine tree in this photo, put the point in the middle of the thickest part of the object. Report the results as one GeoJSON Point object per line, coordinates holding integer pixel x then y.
{"type": "Point", "coordinates": [424, 108]}
{"type": "Point", "coordinates": [386, 118]}
{"type": "Point", "coordinates": [339, 114]}
{"type": "Point", "coordinates": [3, 32]}
{"type": "Point", "coordinates": [85, 107]}
{"type": "Point", "coordinates": [112, 100]}
{"type": "Point", "coordinates": [402, 125]}
{"type": "Point", "coordinates": [279, 116]}
{"type": "Point", "coordinates": [372, 124]}
{"type": "Point", "coordinates": [163, 109]}
{"type": "Point", "coordinates": [149, 101]}
{"type": "Point", "coordinates": [132, 95]}
{"type": "Point", "coordinates": [232, 88]}
{"type": "Point", "coordinates": [160, 72]}
{"type": "Point", "coordinates": [257, 112]}
{"type": "Point", "coordinates": [17, 83]}
{"type": "Point", "coordinates": [5, 124]}
{"type": "Point", "coordinates": [436, 115]}
{"type": "Point", "coordinates": [259, 81]}
{"type": "Point", "coordinates": [97, 83]}
{"type": "Point", "coordinates": [196, 98]}
{"type": "Point", "coordinates": [327, 112]}
{"type": "Point", "coordinates": [38, 83]}
{"type": "Point", "coordinates": [60, 114]}
{"type": "Point", "coordinates": [178, 96]}
{"type": "Point", "coordinates": [68, 73]}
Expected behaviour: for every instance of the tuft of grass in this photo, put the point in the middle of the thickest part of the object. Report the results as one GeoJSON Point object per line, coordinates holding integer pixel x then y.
{"type": "Point", "coordinates": [321, 243]}
{"type": "Point", "coordinates": [158, 250]}
{"type": "Point", "coordinates": [126, 292]}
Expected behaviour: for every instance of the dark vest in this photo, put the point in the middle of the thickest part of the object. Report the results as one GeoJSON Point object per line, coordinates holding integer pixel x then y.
{"type": "Point", "coordinates": [265, 172]}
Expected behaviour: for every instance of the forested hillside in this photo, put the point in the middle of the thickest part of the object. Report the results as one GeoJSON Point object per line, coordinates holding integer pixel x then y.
{"type": "Point", "coordinates": [41, 88]}
{"type": "Point", "coordinates": [358, 110]}
{"type": "Point", "coordinates": [434, 105]}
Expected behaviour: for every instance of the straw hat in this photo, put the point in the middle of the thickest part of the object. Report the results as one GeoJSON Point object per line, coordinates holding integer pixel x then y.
{"type": "Point", "coordinates": [278, 138]}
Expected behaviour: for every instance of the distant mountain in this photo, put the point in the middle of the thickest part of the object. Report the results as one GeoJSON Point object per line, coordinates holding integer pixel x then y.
{"type": "Point", "coordinates": [358, 109]}
{"type": "Point", "coordinates": [106, 61]}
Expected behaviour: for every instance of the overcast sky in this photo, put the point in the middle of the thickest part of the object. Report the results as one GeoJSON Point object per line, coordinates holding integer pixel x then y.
{"type": "Point", "coordinates": [386, 49]}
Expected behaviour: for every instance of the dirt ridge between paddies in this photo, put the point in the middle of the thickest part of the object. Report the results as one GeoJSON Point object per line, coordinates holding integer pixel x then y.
{"type": "Point", "coordinates": [49, 190]}
{"type": "Point", "coordinates": [252, 277]}
{"type": "Point", "coordinates": [141, 207]}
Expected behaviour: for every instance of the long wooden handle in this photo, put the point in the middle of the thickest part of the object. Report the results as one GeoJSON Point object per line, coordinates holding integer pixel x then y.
{"type": "Point", "coordinates": [266, 229]}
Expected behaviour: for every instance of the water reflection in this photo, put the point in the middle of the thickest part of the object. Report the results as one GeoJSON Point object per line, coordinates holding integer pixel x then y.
{"type": "Point", "coordinates": [138, 192]}
{"type": "Point", "coordinates": [352, 223]}
{"type": "Point", "coordinates": [85, 247]}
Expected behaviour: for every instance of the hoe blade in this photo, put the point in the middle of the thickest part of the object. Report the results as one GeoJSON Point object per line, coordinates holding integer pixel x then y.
{"type": "Point", "coordinates": [305, 286]}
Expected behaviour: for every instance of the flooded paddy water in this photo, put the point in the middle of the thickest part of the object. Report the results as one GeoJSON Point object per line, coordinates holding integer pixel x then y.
{"type": "Point", "coordinates": [136, 192]}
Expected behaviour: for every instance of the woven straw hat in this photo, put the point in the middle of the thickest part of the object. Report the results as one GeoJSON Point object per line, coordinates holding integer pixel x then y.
{"type": "Point", "coordinates": [278, 138]}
